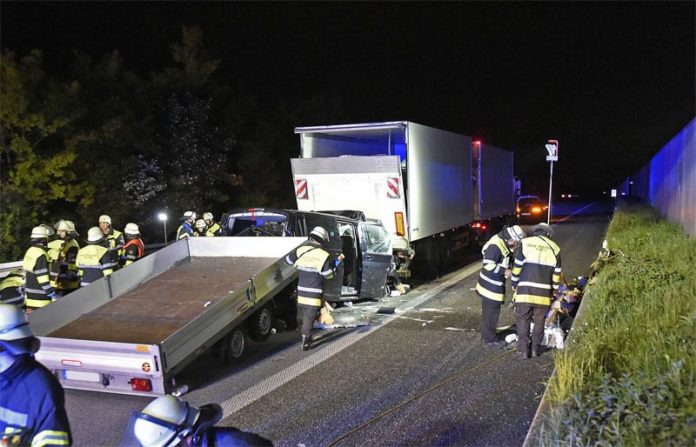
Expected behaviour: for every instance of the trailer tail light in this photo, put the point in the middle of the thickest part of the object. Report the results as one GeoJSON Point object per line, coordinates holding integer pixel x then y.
{"type": "Point", "coordinates": [400, 226]}
{"type": "Point", "coordinates": [141, 384]}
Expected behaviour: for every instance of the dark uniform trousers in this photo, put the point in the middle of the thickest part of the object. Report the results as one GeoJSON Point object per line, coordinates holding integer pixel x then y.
{"type": "Point", "coordinates": [489, 323]}
{"type": "Point", "coordinates": [526, 314]}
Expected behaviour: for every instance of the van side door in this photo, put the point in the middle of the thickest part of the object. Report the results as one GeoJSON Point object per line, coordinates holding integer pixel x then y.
{"type": "Point", "coordinates": [376, 250]}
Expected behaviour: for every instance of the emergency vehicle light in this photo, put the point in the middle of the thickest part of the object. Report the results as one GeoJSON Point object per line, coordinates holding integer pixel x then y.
{"type": "Point", "coordinates": [141, 384]}
{"type": "Point", "coordinates": [400, 226]}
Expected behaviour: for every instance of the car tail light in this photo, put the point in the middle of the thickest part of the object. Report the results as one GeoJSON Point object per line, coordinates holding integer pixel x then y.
{"type": "Point", "coordinates": [400, 226]}
{"type": "Point", "coordinates": [536, 209]}
{"type": "Point", "coordinates": [141, 384]}
{"type": "Point", "coordinates": [518, 209]}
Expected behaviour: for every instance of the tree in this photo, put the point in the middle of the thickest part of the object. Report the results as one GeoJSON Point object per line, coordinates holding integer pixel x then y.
{"type": "Point", "coordinates": [38, 152]}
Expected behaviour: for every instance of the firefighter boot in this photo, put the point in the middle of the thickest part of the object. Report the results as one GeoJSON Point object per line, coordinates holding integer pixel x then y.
{"type": "Point", "coordinates": [306, 341]}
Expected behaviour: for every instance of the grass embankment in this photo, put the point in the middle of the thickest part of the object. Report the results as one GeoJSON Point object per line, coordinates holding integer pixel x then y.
{"type": "Point", "coordinates": [629, 374]}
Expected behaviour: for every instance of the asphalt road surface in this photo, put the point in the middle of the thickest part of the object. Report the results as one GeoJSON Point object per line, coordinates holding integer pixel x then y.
{"type": "Point", "coordinates": [420, 376]}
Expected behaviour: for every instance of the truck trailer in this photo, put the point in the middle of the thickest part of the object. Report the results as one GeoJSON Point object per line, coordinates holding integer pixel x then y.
{"type": "Point", "coordinates": [432, 189]}
{"type": "Point", "coordinates": [133, 331]}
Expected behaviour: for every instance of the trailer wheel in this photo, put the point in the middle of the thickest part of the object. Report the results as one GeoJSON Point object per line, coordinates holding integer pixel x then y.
{"type": "Point", "coordinates": [260, 324]}
{"type": "Point", "coordinates": [233, 345]}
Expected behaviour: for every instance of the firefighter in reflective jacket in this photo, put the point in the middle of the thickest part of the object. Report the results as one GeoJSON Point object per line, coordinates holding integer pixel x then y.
{"type": "Point", "coordinates": [95, 261]}
{"type": "Point", "coordinates": [38, 288]}
{"type": "Point", "coordinates": [535, 276]}
{"type": "Point", "coordinates": [315, 266]}
{"type": "Point", "coordinates": [114, 237]}
{"type": "Point", "coordinates": [62, 256]}
{"type": "Point", "coordinates": [497, 259]}
{"type": "Point", "coordinates": [186, 228]}
{"type": "Point", "coordinates": [214, 228]}
{"type": "Point", "coordinates": [134, 248]}
{"type": "Point", "coordinates": [32, 403]}
{"type": "Point", "coordinates": [12, 288]}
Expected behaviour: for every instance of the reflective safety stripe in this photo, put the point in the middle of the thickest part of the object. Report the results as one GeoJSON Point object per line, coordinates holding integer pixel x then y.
{"type": "Point", "coordinates": [50, 437]}
{"type": "Point", "coordinates": [308, 269]}
{"type": "Point", "coordinates": [36, 291]}
{"type": "Point", "coordinates": [40, 271]}
{"type": "Point", "coordinates": [497, 283]}
{"type": "Point", "coordinates": [327, 272]}
{"type": "Point", "coordinates": [533, 299]}
{"type": "Point", "coordinates": [309, 301]}
{"type": "Point", "coordinates": [534, 284]}
{"type": "Point", "coordinates": [30, 302]}
{"type": "Point", "coordinates": [518, 262]}
{"type": "Point", "coordinates": [514, 279]}
{"type": "Point", "coordinates": [488, 294]}
{"type": "Point", "coordinates": [308, 289]}
{"type": "Point", "coordinates": [11, 417]}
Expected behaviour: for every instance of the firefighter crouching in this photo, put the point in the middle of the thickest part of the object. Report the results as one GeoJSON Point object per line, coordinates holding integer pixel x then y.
{"type": "Point", "coordinates": [38, 290]}
{"type": "Point", "coordinates": [32, 403]}
{"type": "Point", "coordinates": [168, 421]}
{"type": "Point", "coordinates": [95, 260]}
{"type": "Point", "coordinates": [12, 288]}
{"type": "Point", "coordinates": [315, 266]}
{"type": "Point", "coordinates": [497, 259]}
{"type": "Point", "coordinates": [62, 256]}
{"type": "Point", "coordinates": [535, 276]}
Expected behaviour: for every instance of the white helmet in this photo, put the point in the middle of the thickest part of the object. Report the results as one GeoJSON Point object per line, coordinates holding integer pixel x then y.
{"type": "Point", "coordinates": [49, 229]}
{"type": "Point", "coordinates": [71, 227]}
{"type": "Point", "coordinates": [61, 225]}
{"type": "Point", "coordinates": [15, 334]}
{"type": "Point", "coordinates": [163, 422]}
{"type": "Point", "coordinates": [132, 229]}
{"type": "Point", "coordinates": [207, 216]}
{"type": "Point", "coordinates": [190, 215]}
{"type": "Point", "coordinates": [542, 229]}
{"type": "Point", "coordinates": [200, 224]}
{"type": "Point", "coordinates": [94, 235]}
{"type": "Point", "coordinates": [104, 218]}
{"type": "Point", "coordinates": [321, 233]}
{"type": "Point", "coordinates": [40, 232]}
{"type": "Point", "coordinates": [515, 233]}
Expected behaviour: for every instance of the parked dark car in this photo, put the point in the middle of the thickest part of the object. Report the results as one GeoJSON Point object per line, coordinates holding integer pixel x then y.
{"type": "Point", "coordinates": [365, 244]}
{"type": "Point", "coordinates": [530, 209]}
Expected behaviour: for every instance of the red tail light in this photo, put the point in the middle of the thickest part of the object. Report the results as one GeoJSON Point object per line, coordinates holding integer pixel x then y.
{"type": "Point", "coordinates": [141, 384]}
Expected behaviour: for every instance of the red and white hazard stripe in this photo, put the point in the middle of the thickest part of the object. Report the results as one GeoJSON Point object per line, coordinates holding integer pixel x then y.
{"type": "Point", "coordinates": [301, 188]}
{"type": "Point", "coordinates": [393, 188]}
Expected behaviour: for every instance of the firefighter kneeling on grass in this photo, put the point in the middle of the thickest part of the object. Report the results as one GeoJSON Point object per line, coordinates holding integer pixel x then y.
{"type": "Point", "coordinates": [315, 266]}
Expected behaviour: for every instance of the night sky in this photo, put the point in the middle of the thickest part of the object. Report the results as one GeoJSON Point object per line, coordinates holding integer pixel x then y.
{"type": "Point", "coordinates": [613, 82]}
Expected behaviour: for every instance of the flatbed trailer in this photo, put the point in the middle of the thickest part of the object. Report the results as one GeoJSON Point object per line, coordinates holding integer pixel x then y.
{"type": "Point", "coordinates": [133, 331]}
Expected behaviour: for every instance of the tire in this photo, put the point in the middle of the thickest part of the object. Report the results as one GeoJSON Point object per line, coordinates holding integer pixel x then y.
{"type": "Point", "coordinates": [232, 346]}
{"type": "Point", "coordinates": [260, 324]}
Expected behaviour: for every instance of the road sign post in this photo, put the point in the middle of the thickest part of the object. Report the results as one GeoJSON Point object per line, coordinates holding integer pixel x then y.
{"type": "Point", "coordinates": [552, 149]}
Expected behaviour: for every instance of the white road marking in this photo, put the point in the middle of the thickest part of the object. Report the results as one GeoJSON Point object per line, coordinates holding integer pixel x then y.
{"type": "Point", "coordinates": [256, 392]}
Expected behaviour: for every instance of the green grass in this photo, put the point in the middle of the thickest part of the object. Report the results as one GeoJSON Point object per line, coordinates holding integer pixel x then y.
{"type": "Point", "coordinates": [628, 377]}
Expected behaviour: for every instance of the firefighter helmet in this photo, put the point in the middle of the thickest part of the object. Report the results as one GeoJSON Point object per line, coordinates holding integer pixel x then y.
{"type": "Point", "coordinates": [94, 235]}
{"type": "Point", "coordinates": [132, 229]}
{"type": "Point", "coordinates": [208, 216]}
{"type": "Point", "coordinates": [15, 334]}
{"type": "Point", "coordinates": [49, 229]}
{"type": "Point", "coordinates": [515, 233]}
{"type": "Point", "coordinates": [200, 224]}
{"type": "Point", "coordinates": [542, 229]}
{"type": "Point", "coordinates": [163, 422]}
{"type": "Point", "coordinates": [40, 232]}
{"type": "Point", "coordinates": [61, 225]}
{"type": "Point", "coordinates": [104, 219]}
{"type": "Point", "coordinates": [71, 227]}
{"type": "Point", "coordinates": [320, 233]}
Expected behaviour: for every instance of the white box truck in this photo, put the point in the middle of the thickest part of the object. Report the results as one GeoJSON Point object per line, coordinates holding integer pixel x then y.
{"type": "Point", "coordinates": [430, 188]}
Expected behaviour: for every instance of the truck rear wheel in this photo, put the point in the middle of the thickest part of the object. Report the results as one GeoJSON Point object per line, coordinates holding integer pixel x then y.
{"type": "Point", "coordinates": [232, 345]}
{"type": "Point", "coordinates": [260, 324]}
